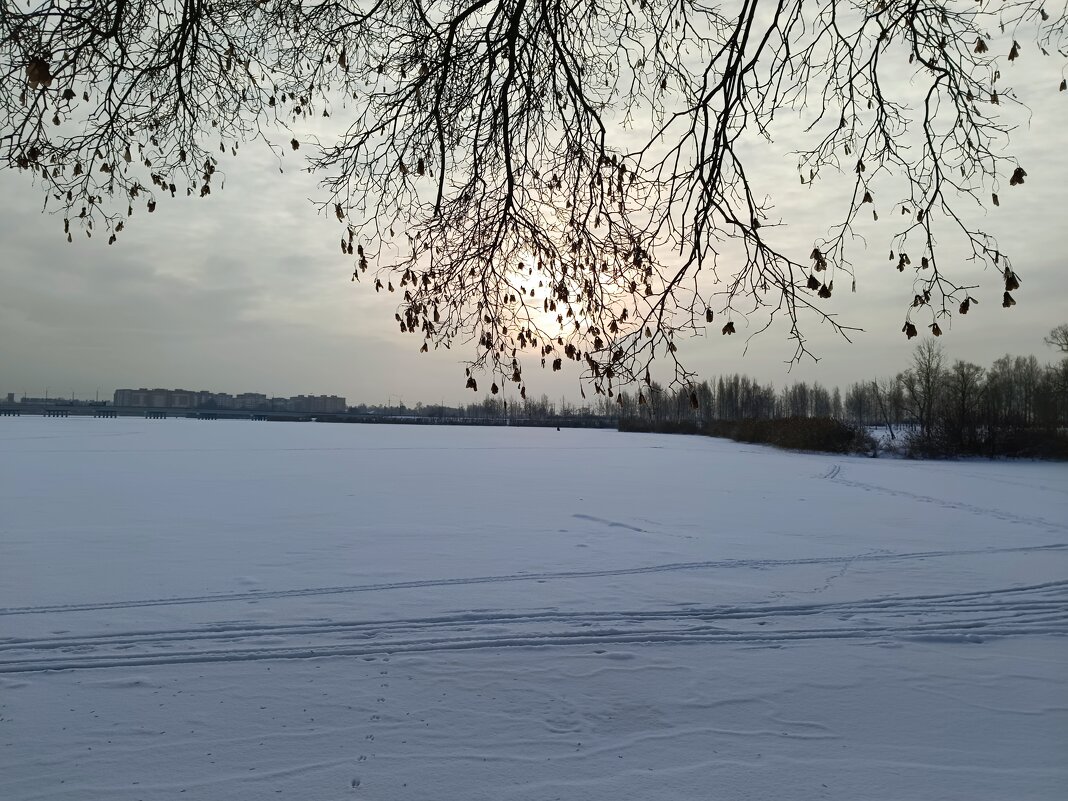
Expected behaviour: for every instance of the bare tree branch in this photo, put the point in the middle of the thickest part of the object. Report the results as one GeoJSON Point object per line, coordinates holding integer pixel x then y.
{"type": "Point", "coordinates": [573, 179]}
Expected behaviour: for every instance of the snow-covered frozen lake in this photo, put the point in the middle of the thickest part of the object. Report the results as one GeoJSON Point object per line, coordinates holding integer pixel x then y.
{"type": "Point", "coordinates": [250, 610]}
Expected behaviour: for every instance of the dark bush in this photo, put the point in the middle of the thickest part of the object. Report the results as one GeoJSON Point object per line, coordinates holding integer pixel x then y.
{"type": "Point", "coordinates": [932, 445]}
{"type": "Point", "coordinates": [797, 433]}
{"type": "Point", "coordinates": [1015, 442]}
{"type": "Point", "coordinates": [1029, 443]}
{"type": "Point", "coordinates": [794, 433]}
{"type": "Point", "coordinates": [637, 425]}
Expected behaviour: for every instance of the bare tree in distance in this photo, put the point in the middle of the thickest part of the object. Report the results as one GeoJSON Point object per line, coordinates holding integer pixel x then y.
{"type": "Point", "coordinates": [573, 180]}
{"type": "Point", "coordinates": [923, 384]}
{"type": "Point", "coordinates": [1058, 338]}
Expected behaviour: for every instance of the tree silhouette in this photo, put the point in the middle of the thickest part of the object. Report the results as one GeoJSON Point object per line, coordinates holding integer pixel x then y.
{"type": "Point", "coordinates": [923, 384]}
{"type": "Point", "coordinates": [570, 179]}
{"type": "Point", "coordinates": [1058, 338]}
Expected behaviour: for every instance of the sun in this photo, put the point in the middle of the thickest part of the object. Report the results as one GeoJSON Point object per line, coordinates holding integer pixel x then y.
{"type": "Point", "coordinates": [539, 321]}
{"type": "Point", "coordinates": [532, 306]}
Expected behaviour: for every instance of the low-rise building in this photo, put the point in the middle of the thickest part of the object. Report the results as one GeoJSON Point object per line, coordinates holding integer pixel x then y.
{"type": "Point", "coordinates": [252, 401]}
{"type": "Point", "coordinates": [318, 404]}
{"type": "Point", "coordinates": [156, 398]}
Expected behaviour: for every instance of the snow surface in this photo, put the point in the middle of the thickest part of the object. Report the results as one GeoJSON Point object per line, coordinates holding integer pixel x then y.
{"type": "Point", "coordinates": [251, 610]}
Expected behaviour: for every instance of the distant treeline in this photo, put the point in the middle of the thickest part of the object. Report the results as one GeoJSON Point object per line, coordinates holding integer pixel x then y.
{"type": "Point", "coordinates": [1015, 407]}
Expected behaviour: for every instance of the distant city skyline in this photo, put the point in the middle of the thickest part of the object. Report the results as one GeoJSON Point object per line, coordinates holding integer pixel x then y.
{"type": "Point", "coordinates": [159, 398]}
{"type": "Point", "coordinates": [109, 394]}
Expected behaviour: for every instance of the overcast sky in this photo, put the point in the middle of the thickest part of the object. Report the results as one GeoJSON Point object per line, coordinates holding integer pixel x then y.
{"type": "Point", "coordinates": [247, 291]}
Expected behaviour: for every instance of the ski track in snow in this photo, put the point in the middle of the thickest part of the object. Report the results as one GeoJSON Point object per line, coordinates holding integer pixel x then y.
{"type": "Point", "coordinates": [955, 617]}
{"type": "Point", "coordinates": [834, 474]}
{"type": "Point", "coordinates": [727, 564]}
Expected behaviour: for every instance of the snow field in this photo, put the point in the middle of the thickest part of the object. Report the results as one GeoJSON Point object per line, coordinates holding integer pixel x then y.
{"type": "Point", "coordinates": [205, 610]}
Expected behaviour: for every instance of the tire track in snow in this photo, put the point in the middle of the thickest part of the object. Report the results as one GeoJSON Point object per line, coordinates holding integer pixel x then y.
{"type": "Point", "coordinates": [260, 595]}
{"type": "Point", "coordinates": [997, 514]}
{"type": "Point", "coordinates": [1039, 609]}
